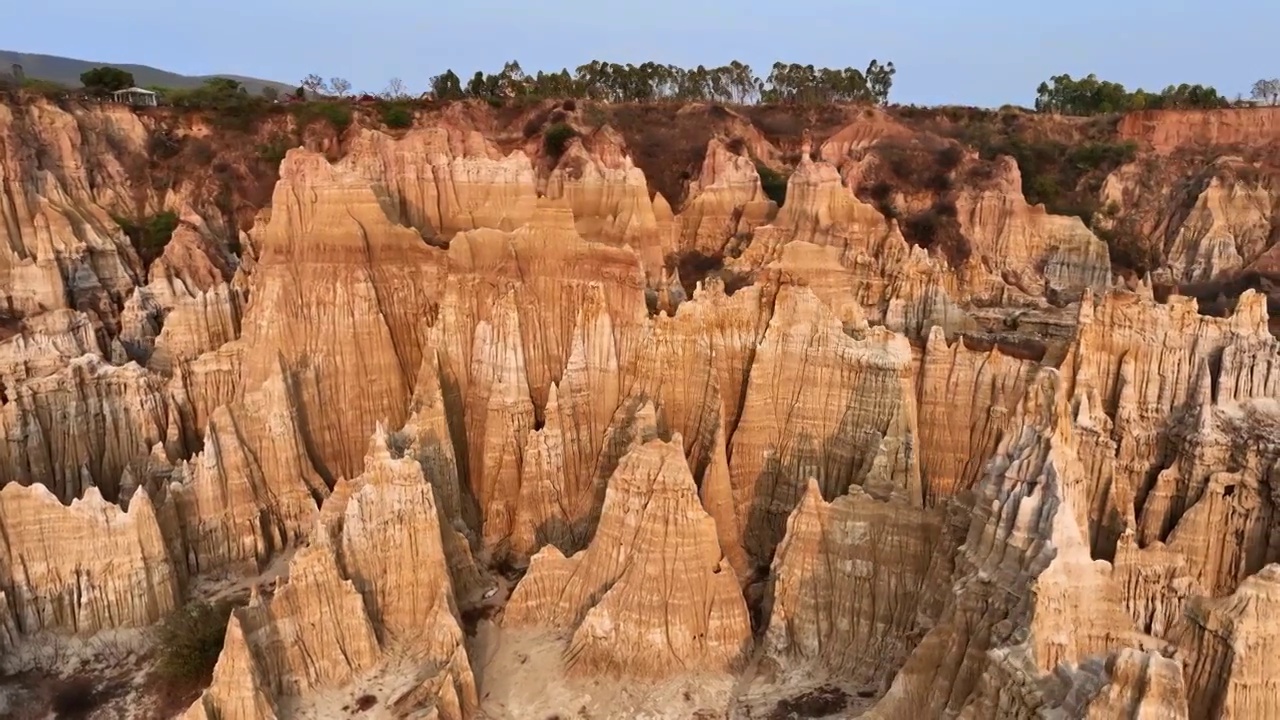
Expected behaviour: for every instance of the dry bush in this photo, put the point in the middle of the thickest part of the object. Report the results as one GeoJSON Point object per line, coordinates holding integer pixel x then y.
{"type": "Point", "coordinates": [75, 698]}
{"type": "Point", "coordinates": [937, 229]}
{"type": "Point", "coordinates": [669, 146]}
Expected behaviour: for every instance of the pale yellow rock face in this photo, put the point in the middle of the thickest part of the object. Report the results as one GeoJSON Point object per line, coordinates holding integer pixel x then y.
{"type": "Point", "coordinates": [966, 400]}
{"type": "Point", "coordinates": [1013, 235]}
{"type": "Point", "coordinates": [726, 200]}
{"type": "Point", "coordinates": [459, 393]}
{"type": "Point", "coordinates": [1215, 222]}
{"type": "Point", "coordinates": [238, 690]}
{"type": "Point", "coordinates": [335, 291]}
{"type": "Point", "coordinates": [252, 491]}
{"type": "Point", "coordinates": [846, 581]}
{"type": "Point", "coordinates": [609, 197]}
{"type": "Point", "coordinates": [197, 324]}
{"type": "Point", "coordinates": [820, 404]}
{"type": "Point", "coordinates": [369, 599]}
{"type": "Point", "coordinates": [61, 248]}
{"type": "Point", "coordinates": [45, 345]}
{"type": "Point", "coordinates": [858, 262]}
{"type": "Point", "coordinates": [447, 180]}
{"type": "Point", "coordinates": [80, 426]}
{"type": "Point", "coordinates": [1230, 647]}
{"type": "Point", "coordinates": [1141, 685]}
{"type": "Point", "coordinates": [1022, 576]}
{"type": "Point", "coordinates": [651, 594]}
{"type": "Point", "coordinates": [85, 567]}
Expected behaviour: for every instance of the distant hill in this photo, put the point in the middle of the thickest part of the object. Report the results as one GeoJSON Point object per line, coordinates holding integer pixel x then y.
{"type": "Point", "coordinates": [67, 71]}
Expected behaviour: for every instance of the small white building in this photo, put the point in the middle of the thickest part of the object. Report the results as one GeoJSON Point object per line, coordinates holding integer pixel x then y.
{"type": "Point", "coordinates": [135, 96]}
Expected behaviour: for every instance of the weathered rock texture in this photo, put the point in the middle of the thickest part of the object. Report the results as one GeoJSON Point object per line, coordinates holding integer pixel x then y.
{"type": "Point", "coordinates": [847, 581]}
{"type": "Point", "coordinates": [975, 475]}
{"type": "Point", "coordinates": [652, 594]}
{"type": "Point", "coordinates": [81, 568]}
{"type": "Point", "coordinates": [372, 592]}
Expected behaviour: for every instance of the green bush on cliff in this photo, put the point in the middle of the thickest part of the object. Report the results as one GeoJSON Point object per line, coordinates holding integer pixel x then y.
{"type": "Point", "coordinates": [151, 235]}
{"type": "Point", "coordinates": [274, 149]}
{"type": "Point", "coordinates": [189, 640]}
{"type": "Point", "coordinates": [772, 182]}
{"type": "Point", "coordinates": [229, 104]}
{"type": "Point", "coordinates": [396, 115]}
{"type": "Point", "coordinates": [556, 140]}
{"type": "Point", "coordinates": [45, 88]}
{"type": "Point", "coordinates": [336, 114]}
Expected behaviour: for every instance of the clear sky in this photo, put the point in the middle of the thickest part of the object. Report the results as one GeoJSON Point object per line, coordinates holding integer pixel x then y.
{"type": "Point", "coordinates": [983, 52]}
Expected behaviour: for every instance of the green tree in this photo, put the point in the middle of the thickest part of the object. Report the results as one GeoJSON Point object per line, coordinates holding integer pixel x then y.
{"type": "Point", "coordinates": [270, 94]}
{"type": "Point", "coordinates": [1065, 95]}
{"type": "Point", "coordinates": [478, 87]}
{"type": "Point", "coordinates": [512, 81]}
{"type": "Point", "coordinates": [447, 86]}
{"type": "Point", "coordinates": [106, 79]}
{"type": "Point", "coordinates": [880, 80]}
{"type": "Point", "coordinates": [188, 641]}
{"type": "Point", "coordinates": [735, 82]}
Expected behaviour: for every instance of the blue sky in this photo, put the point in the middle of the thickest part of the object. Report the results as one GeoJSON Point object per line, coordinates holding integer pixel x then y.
{"type": "Point", "coordinates": [986, 53]}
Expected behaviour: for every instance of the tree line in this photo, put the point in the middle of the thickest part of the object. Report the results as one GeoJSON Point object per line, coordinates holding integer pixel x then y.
{"type": "Point", "coordinates": [614, 82]}
{"type": "Point", "coordinates": [1088, 95]}
{"type": "Point", "coordinates": [738, 83]}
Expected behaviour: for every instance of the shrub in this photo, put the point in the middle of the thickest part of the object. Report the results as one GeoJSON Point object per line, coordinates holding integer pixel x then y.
{"type": "Point", "coordinates": [1101, 155]}
{"type": "Point", "coordinates": [242, 116]}
{"type": "Point", "coordinates": [74, 698]}
{"type": "Point", "coordinates": [338, 115]}
{"type": "Point", "coordinates": [938, 182]}
{"type": "Point", "coordinates": [772, 182]}
{"type": "Point", "coordinates": [881, 191]}
{"type": "Point", "coordinates": [948, 158]}
{"type": "Point", "coordinates": [1129, 250]}
{"type": "Point", "coordinates": [228, 102]}
{"type": "Point", "coordinates": [202, 152]}
{"type": "Point", "coordinates": [596, 116]}
{"type": "Point", "coordinates": [45, 88]}
{"type": "Point", "coordinates": [556, 140]}
{"type": "Point", "coordinates": [938, 229]}
{"type": "Point", "coordinates": [163, 145]}
{"type": "Point", "coordinates": [396, 116]}
{"type": "Point", "coordinates": [151, 235]}
{"type": "Point", "coordinates": [533, 125]}
{"type": "Point", "coordinates": [1065, 178]}
{"type": "Point", "coordinates": [189, 640]}
{"type": "Point", "coordinates": [273, 151]}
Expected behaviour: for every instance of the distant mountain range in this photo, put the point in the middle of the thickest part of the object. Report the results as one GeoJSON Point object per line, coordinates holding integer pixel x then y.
{"type": "Point", "coordinates": [67, 71]}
